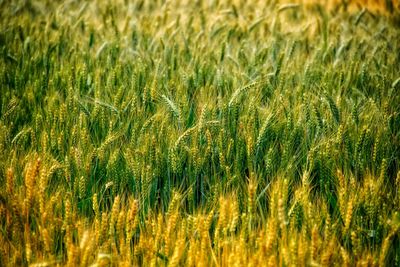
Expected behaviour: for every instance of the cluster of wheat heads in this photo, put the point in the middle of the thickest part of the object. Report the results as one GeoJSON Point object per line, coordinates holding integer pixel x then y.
{"type": "Point", "coordinates": [198, 133]}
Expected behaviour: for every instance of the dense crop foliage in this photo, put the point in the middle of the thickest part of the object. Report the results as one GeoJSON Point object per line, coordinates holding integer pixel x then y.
{"type": "Point", "coordinates": [209, 133]}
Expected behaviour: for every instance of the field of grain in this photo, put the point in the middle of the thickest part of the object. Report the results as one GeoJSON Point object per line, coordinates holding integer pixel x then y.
{"type": "Point", "coordinates": [199, 133]}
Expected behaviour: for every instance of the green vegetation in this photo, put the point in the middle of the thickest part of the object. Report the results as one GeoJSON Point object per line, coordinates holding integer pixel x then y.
{"type": "Point", "coordinates": [207, 133]}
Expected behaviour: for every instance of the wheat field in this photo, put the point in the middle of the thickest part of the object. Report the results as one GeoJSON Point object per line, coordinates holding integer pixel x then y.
{"type": "Point", "coordinates": [199, 133]}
